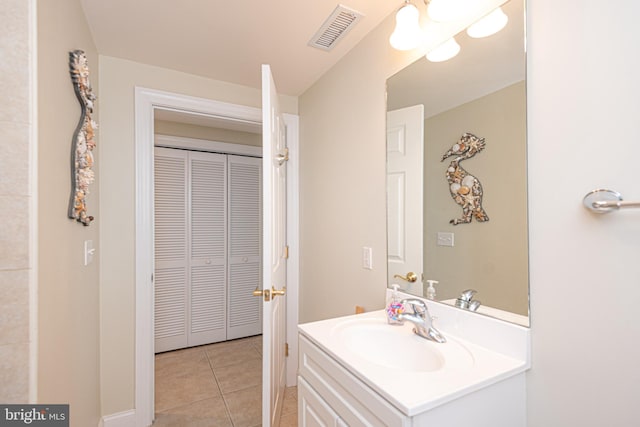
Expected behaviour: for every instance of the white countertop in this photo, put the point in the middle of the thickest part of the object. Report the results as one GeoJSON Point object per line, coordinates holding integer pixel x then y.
{"type": "Point", "coordinates": [497, 313]}
{"type": "Point", "coordinates": [413, 392]}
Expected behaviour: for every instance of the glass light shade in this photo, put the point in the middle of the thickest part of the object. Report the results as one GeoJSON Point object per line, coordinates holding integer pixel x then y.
{"type": "Point", "coordinates": [445, 51]}
{"type": "Point", "coordinates": [489, 25]}
{"type": "Point", "coordinates": [407, 34]}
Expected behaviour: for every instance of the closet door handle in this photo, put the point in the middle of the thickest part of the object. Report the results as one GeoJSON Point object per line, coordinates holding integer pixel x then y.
{"type": "Point", "coordinates": [262, 292]}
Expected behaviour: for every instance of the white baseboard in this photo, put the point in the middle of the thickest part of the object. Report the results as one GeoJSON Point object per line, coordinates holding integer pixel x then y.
{"type": "Point", "coordinates": [121, 419]}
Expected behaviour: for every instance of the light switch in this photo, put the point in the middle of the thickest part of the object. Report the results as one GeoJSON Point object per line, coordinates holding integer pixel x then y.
{"type": "Point", "coordinates": [89, 251]}
{"type": "Point", "coordinates": [367, 258]}
{"type": "Point", "coordinates": [445, 239]}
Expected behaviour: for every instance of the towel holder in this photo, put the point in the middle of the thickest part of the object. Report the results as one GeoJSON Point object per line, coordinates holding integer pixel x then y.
{"type": "Point", "coordinates": [605, 201]}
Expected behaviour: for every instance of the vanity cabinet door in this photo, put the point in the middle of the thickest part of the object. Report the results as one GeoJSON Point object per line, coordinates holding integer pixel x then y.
{"type": "Point", "coordinates": [355, 403]}
{"type": "Point", "coordinates": [313, 411]}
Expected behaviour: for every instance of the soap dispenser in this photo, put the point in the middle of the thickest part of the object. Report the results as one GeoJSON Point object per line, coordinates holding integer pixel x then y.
{"type": "Point", "coordinates": [431, 291]}
{"type": "Point", "coordinates": [394, 307]}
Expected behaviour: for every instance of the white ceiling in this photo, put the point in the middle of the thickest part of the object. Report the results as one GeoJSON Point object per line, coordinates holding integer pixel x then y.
{"type": "Point", "coordinates": [229, 40]}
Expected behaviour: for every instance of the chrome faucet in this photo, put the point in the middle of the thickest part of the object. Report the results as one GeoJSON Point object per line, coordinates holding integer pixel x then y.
{"type": "Point", "coordinates": [422, 320]}
{"type": "Point", "coordinates": [466, 301]}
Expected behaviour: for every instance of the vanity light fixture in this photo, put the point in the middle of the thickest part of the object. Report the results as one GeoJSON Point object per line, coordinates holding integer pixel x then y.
{"type": "Point", "coordinates": [407, 34]}
{"type": "Point", "coordinates": [489, 25]}
{"type": "Point", "coordinates": [445, 51]}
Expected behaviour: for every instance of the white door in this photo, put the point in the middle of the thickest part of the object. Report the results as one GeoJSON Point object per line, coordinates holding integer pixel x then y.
{"type": "Point", "coordinates": [207, 248]}
{"type": "Point", "coordinates": [190, 248]}
{"type": "Point", "coordinates": [275, 252]}
{"type": "Point", "coordinates": [245, 246]}
{"type": "Point", "coordinates": [405, 138]}
{"type": "Point", "coordinates": [171, 249]}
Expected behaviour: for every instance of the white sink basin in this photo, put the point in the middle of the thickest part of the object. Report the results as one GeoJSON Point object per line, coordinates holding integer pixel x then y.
{"type": "Point", "coordinates": [413, 373]}
{"type": "Point", "coordinates": [397, 347]}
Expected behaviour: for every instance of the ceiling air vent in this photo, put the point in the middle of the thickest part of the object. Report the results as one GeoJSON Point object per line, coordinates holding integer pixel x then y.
{"type": "Point", "coordinates": [335, 27]}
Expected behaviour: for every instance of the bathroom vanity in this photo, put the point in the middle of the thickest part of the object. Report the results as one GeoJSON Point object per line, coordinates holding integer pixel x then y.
{"type": "Point", "coordinates": [360, 371]}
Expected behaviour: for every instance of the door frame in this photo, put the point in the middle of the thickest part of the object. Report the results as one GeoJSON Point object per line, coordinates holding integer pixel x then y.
{"type": "Point", "coordinates": [146, 102]}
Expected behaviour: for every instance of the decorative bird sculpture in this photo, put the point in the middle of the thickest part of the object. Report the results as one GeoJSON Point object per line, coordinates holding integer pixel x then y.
{"type": "Point", "coordinates": [465, 188]}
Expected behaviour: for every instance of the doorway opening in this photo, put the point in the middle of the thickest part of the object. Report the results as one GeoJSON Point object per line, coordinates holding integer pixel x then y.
{"type": "Point", "coordinates": [147, 103]}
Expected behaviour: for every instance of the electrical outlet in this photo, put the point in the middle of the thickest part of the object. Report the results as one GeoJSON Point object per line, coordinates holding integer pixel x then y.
{"type": "Point", "coordinates": [445, 239]}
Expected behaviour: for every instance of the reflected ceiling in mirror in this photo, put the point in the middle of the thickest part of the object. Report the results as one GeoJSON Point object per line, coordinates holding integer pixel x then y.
{"type": "Point", "coordinates": [481, 91]}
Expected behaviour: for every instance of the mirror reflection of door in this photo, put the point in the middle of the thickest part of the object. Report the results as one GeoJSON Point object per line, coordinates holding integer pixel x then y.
{"type": "Point", "coordinates": [405, 136]}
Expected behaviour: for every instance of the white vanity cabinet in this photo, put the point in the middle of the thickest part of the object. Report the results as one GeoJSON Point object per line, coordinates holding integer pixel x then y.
{"type": "Point", "coordinates": [313, 410]}
{"type": "Point", "coordinates": [334, 387]}
{"type": "Point", "coordinates": [329, 395]}
{"type": "Point", "coordinates": [337, 387]}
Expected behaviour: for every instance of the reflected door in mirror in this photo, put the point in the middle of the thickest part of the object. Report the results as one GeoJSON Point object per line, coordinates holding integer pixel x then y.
{"type": "Point", "coordinates": [405, 136]}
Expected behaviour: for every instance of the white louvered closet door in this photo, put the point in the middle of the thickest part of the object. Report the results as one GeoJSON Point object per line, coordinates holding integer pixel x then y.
{"type": "Point", "coordinates": [208, 228]}
{"type": "Point", "coordinates": [171, 250]}
{"type": "Point", "coordinates": [190, 248]}
{"type": "Point", "coordinates": [208, 248]}
{"type": "Point", "coordinates": [245, 246]}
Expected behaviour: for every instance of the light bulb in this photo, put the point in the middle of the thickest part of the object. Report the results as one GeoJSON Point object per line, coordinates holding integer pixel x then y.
{"type": "Point", "coordinates": [407, 34]}
{"type": "Point", "coordinates": [445, 51]}
{"type": "Point", "coordinates": [489, 25]}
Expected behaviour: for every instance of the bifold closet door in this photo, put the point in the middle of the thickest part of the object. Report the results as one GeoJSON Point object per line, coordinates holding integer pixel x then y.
{"type": "Point", "coordinates": [208, 248]}
{"type": "Point", "coordinates": [171, 251]}
{"type": "Point", "coordinates": [245, 246]}
{"type": "Point", "coordinates": [190, 248]}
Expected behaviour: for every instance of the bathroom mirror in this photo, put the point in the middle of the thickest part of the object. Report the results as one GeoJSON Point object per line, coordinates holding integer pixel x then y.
{"type": "Point", "coordinates": [430, 105]}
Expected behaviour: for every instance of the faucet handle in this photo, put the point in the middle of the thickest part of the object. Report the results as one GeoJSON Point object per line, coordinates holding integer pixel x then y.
{"type": "Point", "coordinates": [468, 295]}
{"type": "Point", "coordinates": [415, 303]}
{"type": "Point", "coordinates": [474, 305]}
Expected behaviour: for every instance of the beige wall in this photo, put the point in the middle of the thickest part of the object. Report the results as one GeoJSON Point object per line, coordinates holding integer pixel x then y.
{"type": "Point", "coordinates": [118, 78]}
{"type": "Point", "coordinates": [17, 191]}
{"type": "Point", "coordinates": [490, 257]}
{"type": "Point", "coordinates": [68, 344]}
{"type": "Point", "coordinates": [582, 119]}
{"type": "Point", "coordinates": [342, 180]}
{"type": "Point", "coordinates": [162, 127]}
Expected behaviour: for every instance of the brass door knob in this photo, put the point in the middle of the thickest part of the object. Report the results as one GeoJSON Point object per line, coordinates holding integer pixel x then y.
{"type": "Point", "coordinates": [262, 292]}
{"type": "Point", "coordinates": [410, 277]}
{"type": "Point", "coordinates": [280, 292]}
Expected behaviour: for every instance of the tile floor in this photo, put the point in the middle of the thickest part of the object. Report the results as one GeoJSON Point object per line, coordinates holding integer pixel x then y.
{"type": "Point", "coordinates": [216, 385]}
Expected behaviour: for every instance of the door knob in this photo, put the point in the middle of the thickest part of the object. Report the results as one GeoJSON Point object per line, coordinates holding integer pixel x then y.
{"type": "Point", "coordinates": [262, 292]}
{"type": "Point", "coordinates": [280, 292]}
{"type": "Point", "coordinates": [410, 277]}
